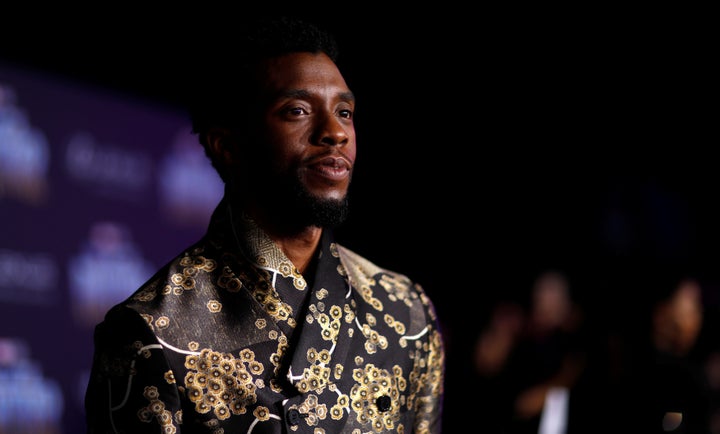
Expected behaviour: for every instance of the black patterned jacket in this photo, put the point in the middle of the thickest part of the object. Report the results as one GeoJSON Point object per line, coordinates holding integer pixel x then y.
{"type": "Point", "coordinates": [229, 338]}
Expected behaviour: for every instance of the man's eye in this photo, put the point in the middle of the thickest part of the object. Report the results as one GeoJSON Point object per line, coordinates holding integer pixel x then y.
{"type": "Point", "coordinates": [347, 114]}
{"type": "Point", "coordinates": [296, 111]}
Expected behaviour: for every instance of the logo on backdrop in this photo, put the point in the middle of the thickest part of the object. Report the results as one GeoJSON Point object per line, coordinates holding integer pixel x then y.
{"type": "Point", "coordinates": [24, 153]}
{"type": "Point", "coordinates": [189, 187]}
{"type": "Point", "coordinates": [106, 270]}
{"type": "Point", "coordinates": [109, 169]}
{"type": "Point", "coordinates": [29, 399]}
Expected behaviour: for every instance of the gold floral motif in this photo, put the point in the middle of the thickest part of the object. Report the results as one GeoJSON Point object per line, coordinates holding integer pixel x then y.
{"type": "Point", "coordinates": [313, 412]}
{"type": "Point", "coordinates": [188, 283]}
{"type": "Point", "coordinates": [373, 339]}
{"type": "Point", "coordinates": [372, 383]}
{"type": "Point", "coordinates": [286, 269]}
{"type": "Point", "coordinates": [330, 324]}
{"type": "Point", "coordinates": [148, 319]}
{"type": "Point", "coordinates": [336, 312]}
{"type": "Point", "coordinates": [334, 250]}
{"type": "Point", "coordinates": [156, 409]}
{"type": "Point", "coordinates": [198, 261]}
{"type": "Point", "coordinates": [151, 393]}
{"type": "Point", "coordinates": [147, 294]}
{"type": "Point", "coordinates": [349, 313]}
{"type": "Point", "coordinates": [214, 306]}
{"type": "Point", "coordinates": [324, 357]}
{"type": "Point", "coordinates": [321, 293]}
{"type": "Point", "coordinates": [222, 383]}
{"type": "Point", "coordinates": [314, 379]}
{"type": "Point", "coordinates": [144, 415]}
{"type": "Point", "coordinates": [342, 403]}
{"type": "Point", "coordinates": [337, 372]}
{"type": "Point", "coordinates": [228, 281]}
{"type": "Point", "coordinates": [262, 413]}
{"type": "Point", "coordinates": [397, 325]}
{"type": "Point", "coordinates": [162, 322]}
{"type": "Point", "coordinates": [266, 296]}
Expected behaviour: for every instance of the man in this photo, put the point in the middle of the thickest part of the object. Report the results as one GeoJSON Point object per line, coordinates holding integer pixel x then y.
{"type": "Point", "coordinates": [267, 324]}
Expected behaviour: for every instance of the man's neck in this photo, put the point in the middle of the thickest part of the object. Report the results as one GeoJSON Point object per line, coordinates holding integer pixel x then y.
{"type": "Point", "coordinates": [299, 244]}
{"type": "Point", "coordinates": [299, 248]}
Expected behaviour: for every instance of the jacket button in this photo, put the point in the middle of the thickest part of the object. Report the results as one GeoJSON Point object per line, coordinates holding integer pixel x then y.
{"type": "Point", "coordinates": [383, 403]}
{"type": "Point", "coordinates": [293, 417]}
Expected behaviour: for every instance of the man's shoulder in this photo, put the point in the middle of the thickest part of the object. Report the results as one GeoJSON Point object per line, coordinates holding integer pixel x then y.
{"type": "Point", "coordinates": [383, 287]}
{"type": "Point", "coordinates": [363, 272]}
{"type": "Point", "coordinates": [351, 258]}
{"type": "Point", "coordinates": [181, 275]}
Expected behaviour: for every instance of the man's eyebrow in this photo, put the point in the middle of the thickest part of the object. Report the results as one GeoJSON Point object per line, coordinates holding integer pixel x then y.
{"type": "Point", "coordinates": [347, 97]}
{"type": "Point", "coordinates": [293, 93]}
{"type": "Point", "coordinates": [304, 94]}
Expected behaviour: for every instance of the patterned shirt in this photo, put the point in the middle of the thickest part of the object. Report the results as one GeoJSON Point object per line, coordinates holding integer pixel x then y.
{"type": "Point", "coordinates": [229, 337]}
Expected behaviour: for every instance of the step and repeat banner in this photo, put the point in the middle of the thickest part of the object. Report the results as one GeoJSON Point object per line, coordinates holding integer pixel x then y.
{"type": "Point", "coordinates": [98, 189]}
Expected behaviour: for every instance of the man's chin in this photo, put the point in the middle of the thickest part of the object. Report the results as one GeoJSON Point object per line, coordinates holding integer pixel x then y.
{"type": "Point", "coordinates": [328, 213]}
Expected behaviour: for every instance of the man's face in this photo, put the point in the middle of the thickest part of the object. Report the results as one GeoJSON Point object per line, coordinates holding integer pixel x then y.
{"type": "Point", "coordinates": [303, 149]}
{"type": "Point", "coordinates": [308, 122]}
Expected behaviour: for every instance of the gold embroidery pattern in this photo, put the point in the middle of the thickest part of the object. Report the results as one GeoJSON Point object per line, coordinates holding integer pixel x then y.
{"type": "Point", "coordinates": [366, 292]}
{"type": "Point", "coordinates": [267, 255]}
{"type": "Point", "coordinates": [315, 378]}
{"type": "Point", "coordinates": [221, 382]}
{"type": "Point", "coordinates": [162, 322]}
{"type": "Point", "coordinates": [338, 410]}
{"type": "Point", "coordinates": [156, 410]}
{"type": "Point", "coordinates": [148, 293]}
{"type": "Point", "coordinates": [329, 322]}
{"type": "Point", "coordinates": [397, 325]}
{"type": "Point", "coordinates": [373, 339]}
{"type": "Point", "coordinates": [427, 378]}
{"type": "Point", "coordinates": [185, 281]}
{"type": "Point", "coordinates": [312, 411]}
{"type": "Point", "coordinates": [371, 384]}
{"type": "Point", "coordinates": [214, 306]}
{"type": "Point", "coordinates": [287, 269]}
{"type": "Point", "coordinates": [391, 347]}
{"type": "Point", "coordinates": [228, 281]}
{"type": "Point", "coordinates": [282, 347]}
{"type": "Point", "coordinates": [269, 299]}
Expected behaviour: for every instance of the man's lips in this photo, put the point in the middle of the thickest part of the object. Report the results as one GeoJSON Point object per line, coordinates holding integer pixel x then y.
{"type": "Point", "coordinates": [334, 168]}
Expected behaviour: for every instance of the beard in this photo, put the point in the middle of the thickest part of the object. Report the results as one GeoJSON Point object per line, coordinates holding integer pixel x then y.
{"type": "Point", "coordinates": [311, 210]}
{"type": "Point", "coordinates": [291, 207]}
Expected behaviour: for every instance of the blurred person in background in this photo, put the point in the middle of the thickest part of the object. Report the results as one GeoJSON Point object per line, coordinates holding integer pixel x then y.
{"type": "Point", "coordinates": [671, 376]}
{"type": "Point", "coordinates": [531, 351]}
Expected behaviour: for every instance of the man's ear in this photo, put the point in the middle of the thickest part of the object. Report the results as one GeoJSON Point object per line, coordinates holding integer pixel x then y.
{"type": "Point", "coordinates": [221, 144]}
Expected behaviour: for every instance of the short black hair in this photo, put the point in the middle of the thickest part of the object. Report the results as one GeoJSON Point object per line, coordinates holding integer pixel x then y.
{"type": "Point", "coordinates": [219, 92]}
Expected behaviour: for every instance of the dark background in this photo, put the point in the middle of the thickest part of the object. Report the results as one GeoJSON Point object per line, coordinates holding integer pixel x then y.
{"type": "Point", "coordinates": [479, 129]}
{"type": "Point", "coordinates": [492, 144]}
